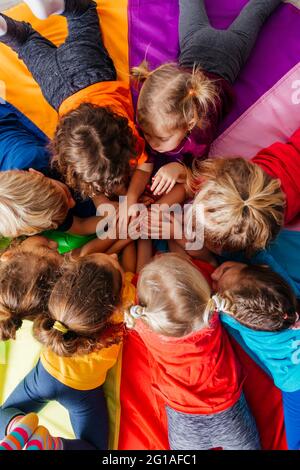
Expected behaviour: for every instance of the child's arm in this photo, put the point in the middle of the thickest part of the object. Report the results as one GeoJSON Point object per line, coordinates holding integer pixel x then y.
{"type": "Point", "coordinates": [177, 195]}
{"type": "Point", "coordinates": [86, 226]}
{"type": "Point", "coordinates": [128, 258]}
{"type": "Point", "coordinates": [166, 178]}
{"type": "Point", "coordinates": [144, 254]}
{"type": "Point", "coordinates": [138, 183]}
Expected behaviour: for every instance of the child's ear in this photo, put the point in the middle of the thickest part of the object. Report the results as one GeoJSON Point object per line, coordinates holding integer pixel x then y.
{"type": "Point", "coordinates": [191, 124]}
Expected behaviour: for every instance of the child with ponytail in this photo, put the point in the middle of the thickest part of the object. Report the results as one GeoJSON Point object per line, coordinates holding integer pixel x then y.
{"type": "Point", "coordinates": [27, 273]}
{"type": "Point", "coordinates": [193, 366]}
{"type": "Point", "coordinates": [246, 203]}
{"type": "Point", "coordinates": [260, 310]}
{"type": "Point", "coordinates": [80, 330]}
{"type": "Point", "coordinates": [180, 106]}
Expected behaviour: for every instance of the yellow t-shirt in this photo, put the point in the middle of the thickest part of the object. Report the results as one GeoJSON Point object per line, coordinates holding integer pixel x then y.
{"type": "Point", "coordinates": [87, 372]}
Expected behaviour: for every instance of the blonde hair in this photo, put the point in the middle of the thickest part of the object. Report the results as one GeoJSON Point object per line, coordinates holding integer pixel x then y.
{"type": "Point", "coordinates": [172, 97]}
{"type": "Point", "coordinates": [29, 204]}
{"type": "Point", "coordinates": [243, 206]}
{"type": "Point", "coordinates": [174, 297]}
{"type": "Point", "coordinates": [80, 312]}
{"type": "Point", "coordinates": [25, 283]}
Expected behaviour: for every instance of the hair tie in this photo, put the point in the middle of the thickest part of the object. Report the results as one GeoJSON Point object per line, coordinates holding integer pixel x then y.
{"type": "Point", "coordinates": [136, 311]}
{"type": "Point", "coordinates": [192, 93]}
{"type": "Point", "coordinates": [220, 304]}
{"type": "Point", "coordinates": [60, 327]}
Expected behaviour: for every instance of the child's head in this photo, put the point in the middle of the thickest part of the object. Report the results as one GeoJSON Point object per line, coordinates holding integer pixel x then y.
{"type": "Point", "coordinates": [256, 296]}
{"type": "Point", "coordinates": [27, 273]}
{"type": "Point", "coordinates": [31, 203]}
{"type": "Point", "coordinates": [243, 206]}
{"type": "Point", "coordinates": [81, 307]}
{"type": "Point", "coordinates": [173, 297]}
{"type": "Point", "coordinates": [92, 149]}
{"type": "Point", "coordinates": [171, 103]}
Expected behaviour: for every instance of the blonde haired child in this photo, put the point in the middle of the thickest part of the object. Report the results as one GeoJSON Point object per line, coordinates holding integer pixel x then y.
{"type": "Point", "coordinates": [180, 106]}
{"type": "Point", "coordinates": [245, 203]}
{"type": "Point", "coordinates": [192, 363]}
{"type": "Point", "coordinates": [31, 203]}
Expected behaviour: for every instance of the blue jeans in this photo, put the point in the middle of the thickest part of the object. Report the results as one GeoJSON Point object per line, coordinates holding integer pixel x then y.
{"type": "Point", "coordinates": [87, 409]}
{"type": "Point", "coordinates": [291, 407]}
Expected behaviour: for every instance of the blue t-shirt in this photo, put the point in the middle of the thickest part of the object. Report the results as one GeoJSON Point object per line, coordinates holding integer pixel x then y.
{"type": "Point", "coordinates": [278, 353]}
{"type": "Point", "coordinates": [22, 145]}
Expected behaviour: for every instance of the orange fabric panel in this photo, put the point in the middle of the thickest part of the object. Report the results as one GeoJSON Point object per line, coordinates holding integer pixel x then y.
{"type": "Point", "coordinates": [22, 91]}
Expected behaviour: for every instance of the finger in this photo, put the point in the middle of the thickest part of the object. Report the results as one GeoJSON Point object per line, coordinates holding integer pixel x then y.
{"type": "Point", "coordinates": [160, 186]}
{"type": "Point", "coordinates": [171, 187]}
{"type": "Point", "coordinates": [156, 182]}
{"type": "Point", "coordinates": [165, 187]}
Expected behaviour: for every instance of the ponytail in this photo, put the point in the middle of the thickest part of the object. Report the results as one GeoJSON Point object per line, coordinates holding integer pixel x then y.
{"type": "Point", "coordinates": [80, 317]}
{"type": "Point", "coordinates": [201, 97]}
{"type": "Point", "coordinates": [9, 325]}
{"type": "Point", "coordinates": [243, 206]}
{"type": "Point", "coordinates": [141, 72]}
{"type": "Point", "coordinates": [174, 97]}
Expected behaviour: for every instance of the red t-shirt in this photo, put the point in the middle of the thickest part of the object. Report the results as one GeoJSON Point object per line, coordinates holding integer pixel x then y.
{"type": "Point", "coordinates": [282, 161]}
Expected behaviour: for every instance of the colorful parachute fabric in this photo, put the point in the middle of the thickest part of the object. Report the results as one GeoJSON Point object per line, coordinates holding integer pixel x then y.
{"type": "Point", "coordinates": [266, 109]}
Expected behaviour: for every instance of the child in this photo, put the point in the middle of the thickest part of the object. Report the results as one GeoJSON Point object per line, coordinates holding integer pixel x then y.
{"type": "Point", "coordinates": [180, 107]}
{"type": "Point", "coordinates": [25, 279]}
{"type": "Point", "coordinates": [192, 363]}
{"type": "Point", "coordinates": [260, 310]}
{"type": "Point", "coordinates": [80, 332]}
{"type": "Point", "coordinates": [246, 203]}
{"type": "Point", "coordinates": [31, 203]}
{"type": "Point", "coordinates": [96, 144]}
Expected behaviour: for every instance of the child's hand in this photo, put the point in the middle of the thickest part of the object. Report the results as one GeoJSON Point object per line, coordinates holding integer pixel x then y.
{"type": "Point", "coordinates": [166, 178]}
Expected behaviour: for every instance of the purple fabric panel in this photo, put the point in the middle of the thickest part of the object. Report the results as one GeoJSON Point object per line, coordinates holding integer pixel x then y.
{"type": "Point", "coordinates": [153, 34]}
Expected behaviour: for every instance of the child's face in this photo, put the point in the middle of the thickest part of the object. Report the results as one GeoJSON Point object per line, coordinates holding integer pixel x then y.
{"type": "Point", "coordinates": [227, 276]}
{"type": "Point", "coordinates": [165, 140]}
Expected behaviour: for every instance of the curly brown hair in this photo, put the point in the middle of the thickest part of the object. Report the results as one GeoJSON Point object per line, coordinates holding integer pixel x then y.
{"type": "Point", "coordinates": [92, 149]}
{"type": "Point", "coordinates": [84, 300]}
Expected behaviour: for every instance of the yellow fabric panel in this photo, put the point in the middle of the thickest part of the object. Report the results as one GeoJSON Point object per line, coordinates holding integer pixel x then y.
{"type": "Point", "coordinates": [22, 91]}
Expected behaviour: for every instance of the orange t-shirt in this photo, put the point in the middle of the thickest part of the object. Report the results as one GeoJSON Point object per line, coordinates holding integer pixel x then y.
{"type": "Point", "coordinates": [115, 95]}
{"type": "Point", "coordinates": [86, 372]}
